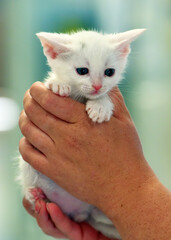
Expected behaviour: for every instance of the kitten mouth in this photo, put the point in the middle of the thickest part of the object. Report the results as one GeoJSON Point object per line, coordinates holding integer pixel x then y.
{"type": "Point", "coordinates": [95, 92]}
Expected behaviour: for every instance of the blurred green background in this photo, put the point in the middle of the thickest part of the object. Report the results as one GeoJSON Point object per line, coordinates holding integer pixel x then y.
{"type": "Point", "coordinates": [146, 87]}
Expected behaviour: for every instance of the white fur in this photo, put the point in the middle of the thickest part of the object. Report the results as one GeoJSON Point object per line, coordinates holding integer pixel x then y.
{"type": "Point", "coordinates": [65, 53]}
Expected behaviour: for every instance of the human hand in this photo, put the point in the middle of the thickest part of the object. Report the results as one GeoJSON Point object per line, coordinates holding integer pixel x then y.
{"type": "Point", "coordinates": [82, 157]}
{"type": "Point", "coordinates": [55, 223]}
{"type": "Point", "coordinates": [102, 164]}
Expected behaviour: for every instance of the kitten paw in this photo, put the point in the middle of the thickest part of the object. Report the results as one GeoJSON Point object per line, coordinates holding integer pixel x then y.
{"type": "Point", "coordinates": [80, 217]}
{"type": "Point", "coordinates": [63, 90]}
{"type": "Point", "coordinates": [33, 194]}
{"type": "Point", "coordinates": [97, 112]}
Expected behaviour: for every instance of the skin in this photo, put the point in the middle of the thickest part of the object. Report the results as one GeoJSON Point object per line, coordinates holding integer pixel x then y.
{"type": "Point", "coordinates": [103, 164]}
{"type": "Point", "coordinates": [53, 222]}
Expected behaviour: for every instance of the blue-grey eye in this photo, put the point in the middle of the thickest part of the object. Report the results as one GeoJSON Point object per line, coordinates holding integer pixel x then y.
{"type": "Point", "coordinates": [109, 72]}
{"type": "Point", "coordinates": [82, 71]}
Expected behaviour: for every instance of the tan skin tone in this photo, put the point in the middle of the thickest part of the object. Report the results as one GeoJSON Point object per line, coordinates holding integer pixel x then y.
{"type": "Point", "coordinates": [102, 164]}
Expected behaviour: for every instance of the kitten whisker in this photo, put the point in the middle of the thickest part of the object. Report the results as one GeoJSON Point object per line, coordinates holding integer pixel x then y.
{"type": "Point", "coordinates": [77, 60]}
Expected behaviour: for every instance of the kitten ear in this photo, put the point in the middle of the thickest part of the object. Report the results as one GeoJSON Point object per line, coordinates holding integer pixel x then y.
{"type": "Point", "coordinates": [53, 44]}
{"type": "Point", "coordinates": [123, 40]}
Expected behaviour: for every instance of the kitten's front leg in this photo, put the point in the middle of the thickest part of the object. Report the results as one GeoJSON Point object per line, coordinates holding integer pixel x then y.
{"type": "Point", "coordinates": [58, 87]}
{"type": "Point", "coordinates": [100, 109]}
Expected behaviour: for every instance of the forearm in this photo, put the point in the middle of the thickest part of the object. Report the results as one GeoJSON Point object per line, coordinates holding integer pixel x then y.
{"type": "Point", "coordinates": [142, 211]}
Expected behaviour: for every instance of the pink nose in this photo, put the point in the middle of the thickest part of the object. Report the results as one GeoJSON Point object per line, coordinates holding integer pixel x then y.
{"type": "Point", "coordinates": [97, 87]}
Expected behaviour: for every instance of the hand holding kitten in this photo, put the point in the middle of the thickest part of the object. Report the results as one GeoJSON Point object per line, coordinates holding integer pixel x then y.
{"type": "Point", "coordinates": [116, 179]}
{"type": "Point", "coordinates": [72, 150]}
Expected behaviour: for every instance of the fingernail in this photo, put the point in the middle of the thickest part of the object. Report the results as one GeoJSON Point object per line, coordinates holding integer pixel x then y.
{"type": "Point", "coordinates": [37, 206]}
{"type": "Point", "coordinates": [47, 206]}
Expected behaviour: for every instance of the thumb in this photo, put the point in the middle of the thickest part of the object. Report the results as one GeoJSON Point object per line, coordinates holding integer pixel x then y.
{"type": "Point", "coordinates": [120, 109]}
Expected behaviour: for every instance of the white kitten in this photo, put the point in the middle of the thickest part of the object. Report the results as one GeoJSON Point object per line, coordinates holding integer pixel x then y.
{"type": "Point", "coordinates": [85, 66]}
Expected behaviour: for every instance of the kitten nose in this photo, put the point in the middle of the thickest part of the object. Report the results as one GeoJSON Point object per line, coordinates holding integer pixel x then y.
{"type": "Point", "coordinates": [97, 87]}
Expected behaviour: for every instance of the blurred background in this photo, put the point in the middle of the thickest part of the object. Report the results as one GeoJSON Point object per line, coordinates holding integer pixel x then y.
{"type": "Point", "coordinates": [146, 86]}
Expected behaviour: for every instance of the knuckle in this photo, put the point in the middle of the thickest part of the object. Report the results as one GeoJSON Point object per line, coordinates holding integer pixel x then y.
{"type": "Point", "coordinates": [34, 87]}
{"type": "Point", "coordinates": [25, 127]}
{"type": "Point", "coordinates": [34, 163]}
{"type": "Point", "coordinates": [20, 120]}
{"type": "Point", "coordinates": [29, 107]}
{"type": "Point", "coordinates": [22, 148]}
{"type": "Point", "coordinates": [41, 144]}
{"type": "Point", "coordinates": [128, 127]}
{"type": "Point", "coordinates": [20, 145]}
{"type": "Point", "coordinates": [128, 122]}
{"type": "Point", "coordinates": [25, 97]}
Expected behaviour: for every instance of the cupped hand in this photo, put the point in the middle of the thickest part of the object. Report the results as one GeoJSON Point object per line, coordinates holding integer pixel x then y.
{"type": "Point", "coordinates": [55, 223]}
{"type": "Point", "coordinates": [97, 163]}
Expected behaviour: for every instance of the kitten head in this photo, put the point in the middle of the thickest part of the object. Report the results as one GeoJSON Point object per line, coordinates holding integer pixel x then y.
{"type": "Point", "coordinates": [91, 62]}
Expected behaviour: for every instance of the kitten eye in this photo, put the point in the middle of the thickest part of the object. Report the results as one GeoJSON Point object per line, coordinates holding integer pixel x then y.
{"type": "Point", "coordinates": [82, 71]}
{"type": "Point", "coordinates": [109, 72]}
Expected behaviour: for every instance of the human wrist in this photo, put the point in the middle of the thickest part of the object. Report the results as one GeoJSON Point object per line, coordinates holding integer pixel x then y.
{"type": "Point", "coordinates": [122, 195]}
{"type": "Point", "coordinates": [137, 210]}
{"type": "Point", "coordinates": [148, 214]}
{"type": "Point", "coordinates": [124, 185]}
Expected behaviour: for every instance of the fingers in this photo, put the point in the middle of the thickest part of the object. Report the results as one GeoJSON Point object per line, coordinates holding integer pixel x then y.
{"type": "Point", "coordinates": [44, 221]}
{"type": "Point", "coordinates": [43, 218]}
{"type": "Point", "coordinates": [40, 117]}
{"type": "Point", "coordinates": [63, 108]}
{"type": "Point", "coordinates": [35, 158]}
{"type": "Point", "coordinates": [28, 207]}
{"type": "Point", "coordinates": [34, 135]}
{"type": "Point", "coordinates": [120, 109]}
{"type": "Point", "coordinates": [70, 110]}
{"type": "Point", "coordinates": [69, 228]}
{"type": "Point", "coordinates": [54, 223]}
{"type": "Point", "coordinates": [72, 230]}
